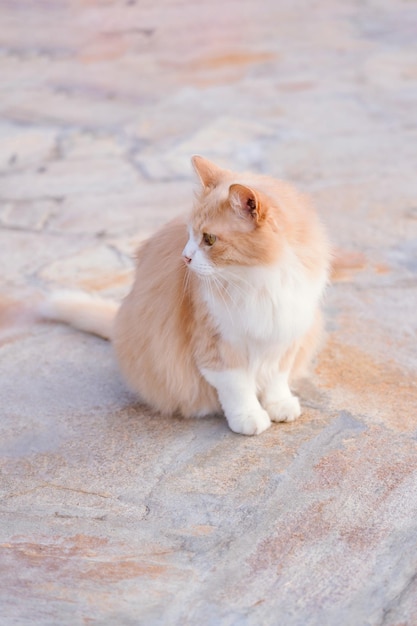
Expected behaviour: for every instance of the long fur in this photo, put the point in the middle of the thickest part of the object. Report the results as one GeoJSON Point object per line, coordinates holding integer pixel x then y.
{"type": "Point", "coordinates": [225, 308]}
{"type": "Point", "coordinates": [82, 310]}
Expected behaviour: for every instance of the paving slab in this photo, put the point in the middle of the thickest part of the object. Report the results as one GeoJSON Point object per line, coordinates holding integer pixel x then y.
{"type": "Point", "coordinates": [109, 513]}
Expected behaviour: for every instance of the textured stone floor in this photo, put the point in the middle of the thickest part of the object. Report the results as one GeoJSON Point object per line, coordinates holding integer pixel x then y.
{"type": "Point", "coordinates": [110, 514]}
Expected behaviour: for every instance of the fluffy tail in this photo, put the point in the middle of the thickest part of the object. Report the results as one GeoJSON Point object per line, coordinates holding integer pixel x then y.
{"type": "Point", "coordinates": [86, 312]}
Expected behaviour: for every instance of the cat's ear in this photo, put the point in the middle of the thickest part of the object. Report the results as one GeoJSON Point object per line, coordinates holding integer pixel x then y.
{"type": "Point", "coordinates": [209, 173]}
{"type": "Point", "coordinates": [244, 201]}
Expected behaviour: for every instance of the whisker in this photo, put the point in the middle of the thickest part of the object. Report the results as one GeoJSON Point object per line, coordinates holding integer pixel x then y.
{"type": "Point", "coordinates": [226, 288]}
{"type": "Point", "coordinates": [185, 285]}
{"type": "Point", "coordinates": [220, 288]}
{"type": "Point", "coordinates": [239, 281]}
{"type": "Point", "coordinates": [235, 292]}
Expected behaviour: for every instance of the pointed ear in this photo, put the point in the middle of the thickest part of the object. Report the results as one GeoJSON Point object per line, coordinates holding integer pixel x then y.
{"type": "Point", "coordinates": [209, 173]}
{"type": "Point", "coordinates": [244, 201]}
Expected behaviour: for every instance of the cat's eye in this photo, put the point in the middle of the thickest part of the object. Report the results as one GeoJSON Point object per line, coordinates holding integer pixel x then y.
{"type": "Point", "coordinates": [209, 239]}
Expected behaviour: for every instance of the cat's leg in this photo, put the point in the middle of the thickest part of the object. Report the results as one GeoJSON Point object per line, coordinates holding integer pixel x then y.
{"type": "Point", "coordinates": [277, 399]}
{"type": "Point", "coordinates": [276, 396]}
{"type": "Point", "coordinates": [236, 389]}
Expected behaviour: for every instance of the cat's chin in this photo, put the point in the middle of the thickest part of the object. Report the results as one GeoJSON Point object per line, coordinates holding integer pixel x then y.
{"type": "Point", "coordinates": [202, 272]}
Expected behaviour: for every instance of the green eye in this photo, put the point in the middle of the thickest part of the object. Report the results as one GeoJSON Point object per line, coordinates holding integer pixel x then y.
{"type": "Point", "coordinates": [209, 239]}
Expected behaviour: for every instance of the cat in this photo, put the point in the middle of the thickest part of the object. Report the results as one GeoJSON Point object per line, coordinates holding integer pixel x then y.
{"type": "Point", "coordinates": [224, 311]}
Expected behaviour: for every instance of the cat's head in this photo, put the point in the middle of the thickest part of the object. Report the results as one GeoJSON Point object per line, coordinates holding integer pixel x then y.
{"type": "Point", "coordinates": [232, 223]}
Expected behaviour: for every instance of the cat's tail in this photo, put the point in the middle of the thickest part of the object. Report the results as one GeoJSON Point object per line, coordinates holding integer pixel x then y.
{"type": "Point", "coordinates": [81, 310]}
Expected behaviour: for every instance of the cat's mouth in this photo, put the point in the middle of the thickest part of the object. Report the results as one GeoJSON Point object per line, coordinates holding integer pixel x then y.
{"type": "Point", "coordinates": [197, 265]}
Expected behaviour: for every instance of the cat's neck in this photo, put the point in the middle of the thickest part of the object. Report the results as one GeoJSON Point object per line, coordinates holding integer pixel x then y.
{"type": "Point", "coordinates": [274, 303]}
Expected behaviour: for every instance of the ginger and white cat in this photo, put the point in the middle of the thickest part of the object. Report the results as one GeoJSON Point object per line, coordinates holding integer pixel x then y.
{"type": "Point", "coordinates": [225, 307]}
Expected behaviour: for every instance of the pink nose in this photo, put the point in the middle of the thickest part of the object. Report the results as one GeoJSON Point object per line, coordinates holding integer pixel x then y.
{"type": "Point", "coordinates": [187, 259]}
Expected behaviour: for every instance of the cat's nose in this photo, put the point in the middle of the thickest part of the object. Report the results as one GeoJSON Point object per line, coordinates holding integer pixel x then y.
{"type": "Point", "coordinates": [187, 259]}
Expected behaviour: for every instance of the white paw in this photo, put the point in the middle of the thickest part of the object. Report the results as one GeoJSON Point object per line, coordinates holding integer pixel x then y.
{"type": "Point", "coordinates": [284, 410]}
{"type": "Point", "coordinates": [252, 422]}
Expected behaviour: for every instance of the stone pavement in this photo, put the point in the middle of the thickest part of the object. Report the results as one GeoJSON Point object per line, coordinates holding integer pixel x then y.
{"type": "Point", "coordinates": [110, 514]}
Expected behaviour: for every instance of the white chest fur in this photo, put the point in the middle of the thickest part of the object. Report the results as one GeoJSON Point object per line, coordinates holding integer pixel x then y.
{"type": "Point", "coordinates": [267, 306]}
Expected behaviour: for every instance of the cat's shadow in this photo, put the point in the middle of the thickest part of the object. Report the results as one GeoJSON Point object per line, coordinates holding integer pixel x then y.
{"type": "Point", "coordinates": [143, 420]}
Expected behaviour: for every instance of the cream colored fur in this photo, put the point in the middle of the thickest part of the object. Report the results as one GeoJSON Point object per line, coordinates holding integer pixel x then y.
{"type": "Point", "coordinates": [225, 308]}
{"type": "Point", "coordinates": [81, 310]}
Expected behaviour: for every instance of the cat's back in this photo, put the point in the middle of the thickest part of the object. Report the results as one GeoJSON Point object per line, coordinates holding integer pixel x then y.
{"type": "Point", "coordinates": [160, 255]}
{"type": "Point", "coordinates": [159, 287]}
{"type": "Point", "coordinates": [154, 326]}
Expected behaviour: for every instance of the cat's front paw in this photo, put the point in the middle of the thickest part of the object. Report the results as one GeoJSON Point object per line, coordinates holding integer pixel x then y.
{"type": "Point", "coordinates": [251, 422]}
{"type": "Point", "coordinates": [284, 410]}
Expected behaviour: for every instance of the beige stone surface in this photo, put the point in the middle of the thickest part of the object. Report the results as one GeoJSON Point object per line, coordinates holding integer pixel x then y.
{"type": "Point", "coordinates": [110, 514]}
